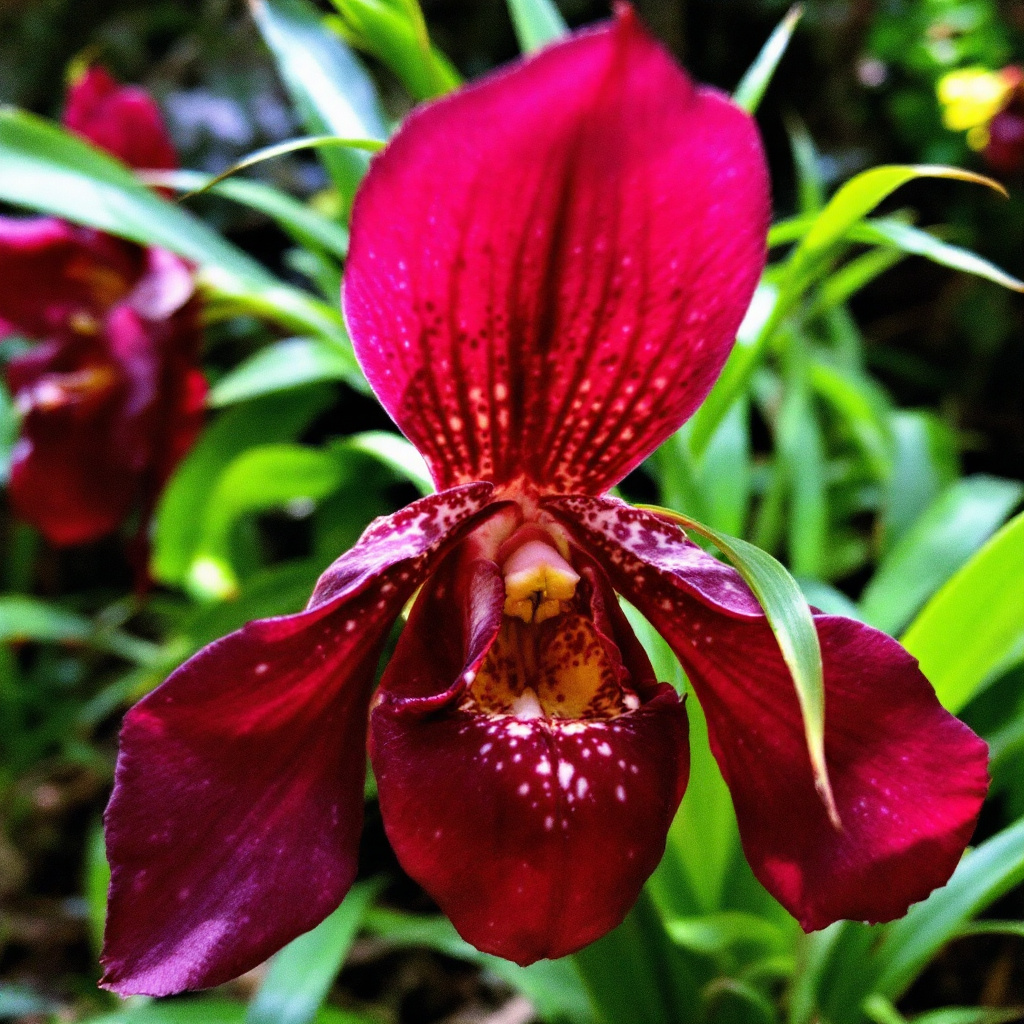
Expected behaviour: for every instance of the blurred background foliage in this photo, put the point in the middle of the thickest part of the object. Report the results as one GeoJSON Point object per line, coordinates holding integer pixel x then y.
{"type": "Point", "coordinates": [876, 446]}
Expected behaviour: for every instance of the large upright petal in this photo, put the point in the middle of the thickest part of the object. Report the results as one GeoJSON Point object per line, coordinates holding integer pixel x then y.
{"type": "Point", "coordinates": [548, 267]}
{"type": "Point", "coordinates": [237, 805]}
{"type": "Point", "coordinates": [908, 778]}
{"type": "Point", "coordinates": [533, 832]}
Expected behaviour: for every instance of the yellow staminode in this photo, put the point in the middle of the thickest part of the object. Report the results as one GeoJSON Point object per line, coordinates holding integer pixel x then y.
{"type": "Point", "coordinates": [971, 97]}
{"type": "Point", "coordinates": [537, 580]}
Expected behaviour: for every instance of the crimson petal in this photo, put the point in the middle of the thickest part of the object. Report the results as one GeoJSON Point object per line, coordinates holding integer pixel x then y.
{"type": "Point", "coordinates": [908, 777]}
{"type": "Point", "coordinates": [533, 835]}
{"type": "Point", "coordinates": [235, 817]}
{"type": "Point", "coordinates": [549, 266]}
{"type": "Point", "coordinates": [122, 119]}
{"type": "Point", "coordinates": [55, 275]}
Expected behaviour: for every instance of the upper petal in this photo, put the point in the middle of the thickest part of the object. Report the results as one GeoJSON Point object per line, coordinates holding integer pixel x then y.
{"type": "Point", "coordinates": [237, 805]}
{"type": "Point", "coordinates": [548, 267]}
{"type": "Point", "coordinates": [534, 833]}
{"type": "Point", "coordinates": [122, 119]}
{"type": "Point", "coordinates": [908, 778]}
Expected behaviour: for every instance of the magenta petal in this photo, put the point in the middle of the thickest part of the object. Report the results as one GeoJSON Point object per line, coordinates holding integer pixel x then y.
{"type": "Point", "coordinates": [549, 266]}
{"type": "Point", "coordinates": [122, 119]}
{"type": "Point", "coordinates": [533, 835]}
{"type": "Point", "coordinates": [237, 806]}
{"type": "Point", "coordinates": [909, 778]}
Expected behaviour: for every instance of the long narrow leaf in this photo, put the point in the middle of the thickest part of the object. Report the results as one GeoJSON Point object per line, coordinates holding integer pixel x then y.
{"type": "Point", "coordinates": [791, 621]}
{"type": "Point", "coordinates": [755, 82]}
{"type": "Point", "coordinates": [537, 23]}
{"type": "Point", "coordinates": [331, 90]}
{"type": "Point", "coordinates": [975, 620]}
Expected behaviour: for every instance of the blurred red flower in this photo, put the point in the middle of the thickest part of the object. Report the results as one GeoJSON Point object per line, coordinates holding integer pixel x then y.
{"type": "Point", "coordinates": [111, 396]}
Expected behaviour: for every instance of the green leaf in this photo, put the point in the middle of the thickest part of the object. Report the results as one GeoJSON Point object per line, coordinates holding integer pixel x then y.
{"type": "Point", "coordinates": [909, 239]}
{"type": "Point", "coordinates": [331, 90]}
{"type": "Point", "coordinates": [301, 975]}
{"type": "Point", "coordinates": [23, 1004]}
{"type": "Point", "coordinates": [261, 478]}
{"type": "Point", "coordinates": [8, 432]}
{"type": "Point", "coordinates": [960, 520]}
{"type": "Point", "coordinates": [397, 36]}
{"type": "Point", "coordinates": [984, 875]}
{"type": "Point", "coordinates": [713, 934]}
{"type": "Point", "coordinates": [854, 201]}
{"type": "Point", "coordinates": [970, 626]}
{"type": "Point", "coordinates": [924, 463]}
{"type": "Point", "coordinates": [51, 170]}
{"type": "Point", "coordinates": [269, 419]}
{"type": "Point", "coordinates": [397, 453]}
{"type": "Point", "coordinates": [792, 623]}
{"type": "Point", "coordinates": [755, 82]}
{"type": "Point", "coordinates": [810, 183]}
{"type": "Point", "coordinates": [277, 149]}
{"type": "Point", "coordinates": [304, 225]}
{"type": "Point", "coordinates": [97, 882]}
{"type": "Point", "coordinates": [636, 975]}
{"type": "Point", "coordinates": [25, 618]}
{"type": "Point", "coordinates": [553, 986]}
{"type": "Point", "coordinates": [537, 23]}
{"type": "Point", "coordinates": [285, 364]}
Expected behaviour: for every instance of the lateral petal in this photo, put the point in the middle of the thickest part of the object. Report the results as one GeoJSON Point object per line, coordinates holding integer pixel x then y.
{"type": "Point", "coordinates": [908, 778]}
{"type": "Point", "coordinates": [237, 805]}
{"type": "Point", "coordinates": [534, 835]}
{"type": "Point", "coordinates": [549, 266]}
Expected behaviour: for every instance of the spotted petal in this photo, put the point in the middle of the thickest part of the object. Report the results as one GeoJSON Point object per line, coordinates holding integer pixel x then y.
{"type": "Point", "coordinates": [908, 778]}
{"type": "Point", "coordinates": [548, 267]}
{"type": "Point", "coordinates": [533, 834]}
{"type": "Point", "coordinates": [237, 804]}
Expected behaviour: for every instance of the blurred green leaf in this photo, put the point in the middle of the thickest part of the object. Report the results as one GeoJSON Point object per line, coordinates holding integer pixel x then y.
{"type": "Point", "coordinates": [553, 986]}
{"type": "Point", "coordinates": [397, 453]}
{"type": "Point", "coordinates": [261, 478]}
{"type": "Point", "coordinates": [793, 625]}
{"type": "Point", "coordinates": [809, 180]}
{"type": "Point", "coordinates": [304, 225]}
{"type": "Point", "coordinates": [636, 975]}
{"type": "Point", "coordinates": [398, 38]}
{"type": "Point", "coordinates": [712, 934]}
{"type": "Point", "coordinates": [755, 82]}
{"type": "Point", "coordinates": [278, 367]}
{"type": "Point", "coordinates": [273, 151]}
{"type": "Point", "coordinates": [97, 882]}
{"type": "Point", "coordinates": [331, 90]}
{"type": "Point", "coordinates": [984, 875]}
{"type": "Point", "coordinates": [854, 201]}
{"type": "Point", "coordinates": [51, 170]}
{"type": "Point", "coordinates": [909, 239]}
{"type": "Point", "coordinates": [957, 523]}
{"type": "Point", "coordinates": [8, 432]}
{"type": "Point", "coordinates": [267, 419]}
{"type": "Point", "coordinates": [924, 463]}
{"type": "Point", "coordinates": [537, 23]}
{"type": "Point", "coordinates": [842, 284]}
{"type": "Point", "coordinates": [967, 629]}
{"type": "Point", "coordinates": [22, 1003]}
{"type": "Point", "coordinates": [26, 618]}
{"type": "Point", "coordinates": [300, 976]}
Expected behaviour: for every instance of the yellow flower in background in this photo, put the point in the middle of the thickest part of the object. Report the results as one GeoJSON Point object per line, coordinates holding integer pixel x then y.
{"type": "Point", "coordinates": [971, 97]}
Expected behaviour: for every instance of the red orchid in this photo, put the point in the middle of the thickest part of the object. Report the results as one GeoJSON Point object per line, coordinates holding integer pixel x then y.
{"type": "Point", "coordinates": [111, 397]}
{"type": "Point", "coordinates": [547, 272]}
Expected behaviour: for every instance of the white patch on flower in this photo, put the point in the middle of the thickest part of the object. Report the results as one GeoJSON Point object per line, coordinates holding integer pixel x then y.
{"type": "Point", "coordinates": [565, 774]}
{"type": "Point", "coordinates": [620, 793]}
{"type": "Point", "coordinates": [486, 748]}
{"type": "Point", "coordinates": [518, 729]}
{"type": "Point", "coordinates": [543, 766]}
{"type": "Point", "coordinates": [604, 750]}
{"type": "Point", "coordinates": [581, 787]}
{"type": "Point", "coordinates": [524, 789]}
{"type": "Point", "coordinates": [549, 823]}
{"type": "Point", "coordinates": [261, 668]}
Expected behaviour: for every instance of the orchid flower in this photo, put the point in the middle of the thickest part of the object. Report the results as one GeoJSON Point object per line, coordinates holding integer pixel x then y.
{"type": "Point", "coordinates": [547, 272]}
{"type": "Point", "coordinates": [111, 398]}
